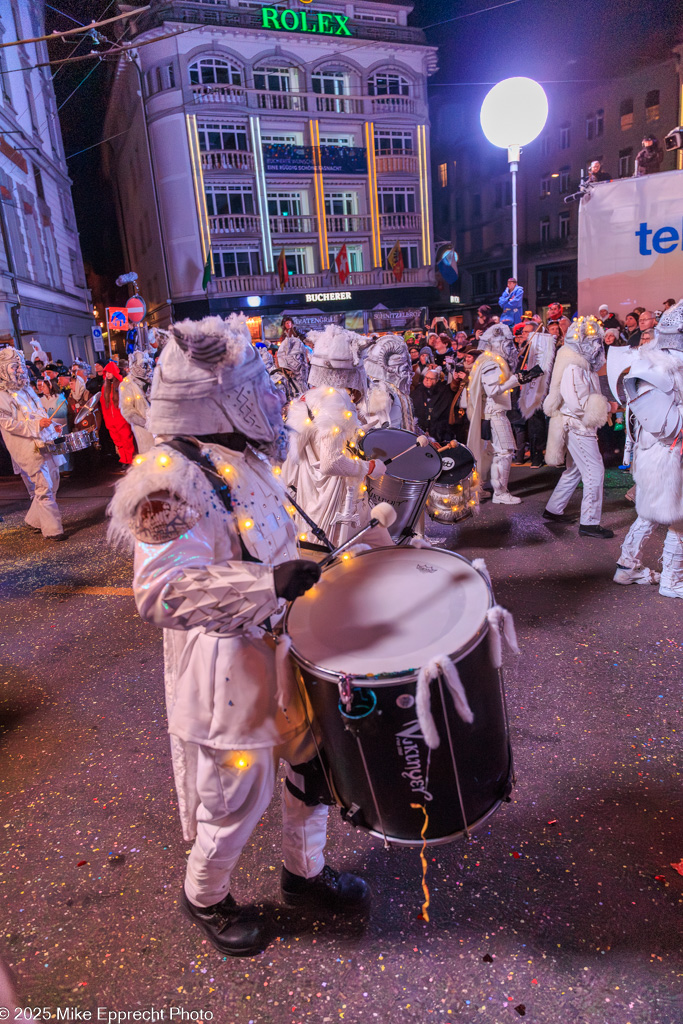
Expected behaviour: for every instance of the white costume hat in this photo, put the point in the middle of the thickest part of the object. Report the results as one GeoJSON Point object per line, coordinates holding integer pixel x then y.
{"type": "Point", "coordinates": [336, 359]}
{"type": "Point", "coordinates": [388, 360]}
{"type": "Point", "coordinates": [498, 339]}
{"type": "Point", "coordinates": [211, 380]}
{"type": "Point", "coordinates": [585, 335]}
{"type": "Point", "coordinates": [140, 366]}
{"type": "Point", "coordinates": [13, 372]}
{"type": "Point", "coordinates": [669, 330]}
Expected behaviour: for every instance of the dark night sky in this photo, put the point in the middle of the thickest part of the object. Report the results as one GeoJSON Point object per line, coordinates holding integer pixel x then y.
{"type": "Point", "coordinates": [550, 40]}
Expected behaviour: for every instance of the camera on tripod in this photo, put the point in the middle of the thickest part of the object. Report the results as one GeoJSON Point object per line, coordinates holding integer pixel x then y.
{"type": "Point", "coordinates": [674, 140]}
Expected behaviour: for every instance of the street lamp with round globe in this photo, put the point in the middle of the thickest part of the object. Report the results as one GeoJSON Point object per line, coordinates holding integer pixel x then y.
{"type": "Point", "coordinates": [513, 114]}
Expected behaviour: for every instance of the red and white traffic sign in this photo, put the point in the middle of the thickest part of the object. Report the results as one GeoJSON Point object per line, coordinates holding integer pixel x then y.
{"type": "Point", "coordinates": [137, 308]}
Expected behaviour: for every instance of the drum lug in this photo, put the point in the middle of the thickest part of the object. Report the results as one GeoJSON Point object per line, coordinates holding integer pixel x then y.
{"type": "Point", "coordinates": [353, 815]}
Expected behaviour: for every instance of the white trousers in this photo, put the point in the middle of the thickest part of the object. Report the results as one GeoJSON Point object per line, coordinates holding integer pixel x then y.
{"type": "Point", "coordinates": [235, 788]}
{"type": "Point", "coordinates": [672, 554]}
{"type": "Point", "coordinates": [42, 487]}
{"type": "Point", "coordinates": [584, 462]}
{"type": "Point", "coordinates": [498, 454]}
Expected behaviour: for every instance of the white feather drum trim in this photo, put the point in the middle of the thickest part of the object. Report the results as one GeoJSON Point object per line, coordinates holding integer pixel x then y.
{"type": "Point", "coordinates": [442, 666]}
{"type": "Point", "coordinates": [480, 565]}
{"type": "Point", "coordinates": [501, 626]}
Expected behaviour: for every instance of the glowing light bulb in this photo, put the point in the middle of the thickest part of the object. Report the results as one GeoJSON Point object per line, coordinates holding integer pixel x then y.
{"type": "Point", "coordinates": [330, 391]}
{"type": "Point", "coordinates": [248, 523]}
{"type": "Point", "coordinates": [348, 414]}
{"type": "Point", "coordinates": [363, 487]}
{"type": "Point", "coordinates": [241, 762]}
{"type": "Point", "coordinates": [308, 421]}
{"type": "Point", "coordinates": [163, 460]}
{"type": "Point", "coordinates": [277, 470]}
{"type": "Point", "coordinates": [335, 430]}
{"type": "Point", "coordinates": [345, 558]}
{"type": "Point", "coordinates": [225, 470]}
{"type": "Point", "coordinates": [139, 459]}
{"type": "Point", "coordinates": [361, 433]}
{"type": "Point", "coordinates": [302, 536]}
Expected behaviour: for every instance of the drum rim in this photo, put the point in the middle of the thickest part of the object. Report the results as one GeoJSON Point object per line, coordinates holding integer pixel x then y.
{"type": "Point", "coordinates": [451, 838]}
{"type": "Point", "coordinates": [395, 678]}
{"type": "Point", "coordinates": [404, 479]}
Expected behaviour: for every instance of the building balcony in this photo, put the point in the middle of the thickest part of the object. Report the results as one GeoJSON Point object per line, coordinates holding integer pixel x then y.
{"type": "Point", "coordinates": [403, 163]}
{"type": "Point", "coordinates": [295, 225]}
{"type": "Point", "coordinates": [325, 281]}
{"type": "Point", "coordinates": [227, 160]}
{"type": "Point", "coordinates": [343, 224]}
{"type": "Point", "coordinates": [303, 102]}
{"type": "Point", "coordinates": [235, 224]}
{"type": "Point", "coordinates": [394, 221]}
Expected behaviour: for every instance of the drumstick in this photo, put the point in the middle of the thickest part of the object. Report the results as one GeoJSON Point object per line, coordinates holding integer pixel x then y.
{"type": "Point", "coordinates": [382, 515]}
{"type": "Point", "coordinates": [445, 447]}
{"type": "Point", "coordinates": [421, 442]}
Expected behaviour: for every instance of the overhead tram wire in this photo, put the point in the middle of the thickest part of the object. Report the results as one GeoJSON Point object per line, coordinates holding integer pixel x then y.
{"type": "Point", "coordinates": [76, 31]}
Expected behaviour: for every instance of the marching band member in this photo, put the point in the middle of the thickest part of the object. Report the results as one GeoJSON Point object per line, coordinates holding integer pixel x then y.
{"type": "Point", "coordinates": [292, 356]}
{"type": "Point", "coordinates": [390, 373]}
{"type": "Point", "coordinates": [654, 386]}
{"type": "Point", "coordinates": [22, 423]}
{"type": "Point", "coordinates": [577, 408]}
{"type": "Point", "coordinates": [133, 400]}
{"type": "Point", "coordinates": [326, 478]}
{"type": "Point", "coordinates": [216, 557]}
{"type": "Point", "coordinates": [490, 437]}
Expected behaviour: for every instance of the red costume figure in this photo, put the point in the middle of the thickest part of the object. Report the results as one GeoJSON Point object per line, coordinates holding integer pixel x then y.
{"type": "Point", "coordinates": [120, 431]}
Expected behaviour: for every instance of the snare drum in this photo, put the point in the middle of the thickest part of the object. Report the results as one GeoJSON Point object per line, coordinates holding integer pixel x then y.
{"type": "Point", "coordinates": [76, 441]}
{"type": "Point", "coordinates": [406, 483]}
{"type": "Point", "coordinates": [455, 493]}
{"type": "Point", "coordinates": [368, 627]}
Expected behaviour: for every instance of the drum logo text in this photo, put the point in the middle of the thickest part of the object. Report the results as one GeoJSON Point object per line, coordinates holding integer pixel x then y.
{"type": "Point", "coordinates": [409, 751]}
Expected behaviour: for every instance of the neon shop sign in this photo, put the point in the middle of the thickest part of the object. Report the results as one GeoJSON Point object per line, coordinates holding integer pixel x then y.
{"type": "Point", "coordinates": [321, 22]}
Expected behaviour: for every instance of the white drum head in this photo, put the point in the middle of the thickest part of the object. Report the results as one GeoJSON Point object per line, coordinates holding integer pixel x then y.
{"type": "Point", "coordinates": [388, 611]}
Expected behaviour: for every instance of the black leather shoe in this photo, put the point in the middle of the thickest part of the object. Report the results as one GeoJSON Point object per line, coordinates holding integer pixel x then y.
{"type": "Point", "coordinates": [595, 531]}
{"type": "Point", "coordinates": [235, 931]}
{"type": "Point", "coordinates": [336, 890]}
{"type": "Point", "coordinates": [559, 517]}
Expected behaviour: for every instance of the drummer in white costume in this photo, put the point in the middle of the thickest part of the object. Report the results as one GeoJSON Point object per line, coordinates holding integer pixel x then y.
{"type": "Point", "coordinates": [327, 478]}
{"type": "Point", "coordinates": [133, 400]}
{"type": "Point", "coordinates": [23, 423]}
{"type": "Point", "coordinates": [216, 557]}
{"type": "Point", "coordinates": [490, 437]}
{"type": "Point", "coordinates": [390, 373]}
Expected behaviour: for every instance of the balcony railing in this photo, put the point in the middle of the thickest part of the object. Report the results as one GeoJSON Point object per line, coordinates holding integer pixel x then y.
{"type": "Point", "coordinates": [343, 223]}
{"type": "Point", "coordinates": [296, 225]}
{"type": "Point", "coordinates": [267, 99]}
{"type": "Point", "coordinates": [400, 220]}
{"type": "Point", "coordinates": [364, 279]}
{"type": "Point", "coordinates": [397, 163]}
{"type": "Point", "coordinates": [235, 224]}
{"type": "Point", "coordinates": [227, 160]}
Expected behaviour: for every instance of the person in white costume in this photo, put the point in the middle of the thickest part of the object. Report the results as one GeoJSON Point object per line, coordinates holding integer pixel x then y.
{"type": "Point", "coordinates": [215, 559]}
{"type": "Point", "coordinates": [654, 385]}
{"type": "Point", "coordinates": [327, 479]}
{"type": "Point", "coordinates": [22, 423]}
{"type": "Point", "coordinates": [490, 437]}
{"type": "Point", "coordinates": [577, 408]}
{"type": "Point", "coordinates": [133, 401]}
{"type": "Point", "coordinates": [390, 373]}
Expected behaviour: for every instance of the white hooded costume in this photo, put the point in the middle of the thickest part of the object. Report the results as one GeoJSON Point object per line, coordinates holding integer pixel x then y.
{"type": "Point", "coordinates": [133, 401]}
{"type": "Point", "coordinates": [204, 572]}
{"type": "Point", "coordinates": [390, 373]}
{"type": "Point", "coordinates": [654, 385]}
{"type": "Point", "coordinates": [488, 401]}
{"type": "Point", "coordinates": [577, 408]}
{"type": "Point", "coordinates": [325, 477]}
{"type": "Point", "coordinates": [20, 414]}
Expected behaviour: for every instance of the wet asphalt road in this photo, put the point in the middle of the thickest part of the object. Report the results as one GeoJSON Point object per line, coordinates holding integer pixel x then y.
{"type": "Point", "coordinates": [564, 909]}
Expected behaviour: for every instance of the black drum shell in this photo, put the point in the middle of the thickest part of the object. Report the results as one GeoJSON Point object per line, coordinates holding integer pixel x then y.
{"type": "Point", "coordinates": [392, 745]}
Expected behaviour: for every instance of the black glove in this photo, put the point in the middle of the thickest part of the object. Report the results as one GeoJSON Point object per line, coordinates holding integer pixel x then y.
{"type": "Point", "coordinates": [292, 579]}
{"type": "Point", "coordinates": [526, 376]}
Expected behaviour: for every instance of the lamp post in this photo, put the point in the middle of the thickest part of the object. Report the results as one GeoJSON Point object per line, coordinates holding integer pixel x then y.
{"type": "Point", "coordinates": [513, 114]}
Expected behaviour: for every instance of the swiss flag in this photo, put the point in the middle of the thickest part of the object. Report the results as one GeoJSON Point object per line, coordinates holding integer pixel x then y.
{"type": "Point", "coordinates": [342, 262]}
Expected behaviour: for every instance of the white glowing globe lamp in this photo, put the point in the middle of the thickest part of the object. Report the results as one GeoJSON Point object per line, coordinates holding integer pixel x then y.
{"type": "Point", "coordinates": [514, 112]}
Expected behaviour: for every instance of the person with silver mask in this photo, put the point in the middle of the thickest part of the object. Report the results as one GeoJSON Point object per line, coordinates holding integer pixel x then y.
{"type": "Point", "coordinates": [390, 373]}
{"type": "Point", "coordinates": [133, 401]}
{"type": "Point", "coordinates": [23, 423]}
{"type": "Point", "coordinates": [654, 386]}
{"type": "Point", "coordinates": [216, 558]}
{"type": "Point", "coordinates": [577, 409]}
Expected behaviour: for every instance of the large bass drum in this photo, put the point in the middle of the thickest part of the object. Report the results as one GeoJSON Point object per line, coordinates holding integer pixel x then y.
{"type": "Point", "coordinates": [359, 639]}
{"type": "Point", "coordinates": [406, 483]}
{"type": "Point", "coordinates": [454, 495]}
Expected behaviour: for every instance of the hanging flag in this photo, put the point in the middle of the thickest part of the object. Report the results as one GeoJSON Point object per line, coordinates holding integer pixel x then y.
{"type": "Point", "coordinates": [342, 262]}
{"type": "Point", "coordinates": [207, 271]}
{"type": "Point", "coordinates": [447, 265]}
{"type": "Point", "coordinates": [282, 268]}
{"type": "Point", "coordinates": [395, 261]}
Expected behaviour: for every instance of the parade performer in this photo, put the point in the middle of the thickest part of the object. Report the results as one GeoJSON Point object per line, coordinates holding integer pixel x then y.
{"type": "Point", "coordinates": [389, 372]}
{"type": "Point", "coordinates": [215, 558]}
{"type": "Point", "coordinates": [577, 408]}
{"type": "Point", "coordinates": [22, 423]}
{"type": "Point", "coordinates": [292, 356]}
{"type": "Point", "coordinates": [654, 385]}
{"type": "Point", "coordinates": [133, 401]}
{"type": "Point", "coordinates": [118, 428]}
{"type": "Point", "coordinates": [490, 437]}
{"type": "Point", "coordinates": [326, 478]}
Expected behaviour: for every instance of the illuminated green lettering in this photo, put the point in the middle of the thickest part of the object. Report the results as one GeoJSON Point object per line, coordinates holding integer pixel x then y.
{"type": "Point", "coordinates": [269, 18]}
{"type": "Point", "coordinates": [323, 24]}
{"type": "Point", "coordinates": [341, 21]}
{"type": "Point", "coordinates": [293, 18]}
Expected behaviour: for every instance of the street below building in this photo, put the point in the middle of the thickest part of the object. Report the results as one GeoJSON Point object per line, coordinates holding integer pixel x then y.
{"type": "Point", "coordinates": [563, 909]}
